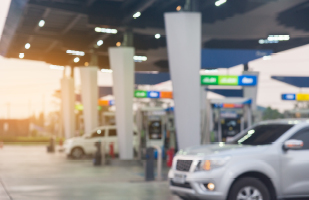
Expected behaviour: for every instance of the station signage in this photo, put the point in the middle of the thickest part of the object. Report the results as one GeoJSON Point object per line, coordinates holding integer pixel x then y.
{"type": "Point", "coordinates": [297, 97]}
{"type": "Point", "coordinates": [153, 94]}
{"type": "Point", "coordinates": [228, 80]}
{"type": "Point", "coordinates": [291, 97]}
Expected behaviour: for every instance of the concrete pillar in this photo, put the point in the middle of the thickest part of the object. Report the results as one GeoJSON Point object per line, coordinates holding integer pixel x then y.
{"type": "Point", "coordinates": [68, 106]}
{"type": "Point", "coordinates": [89, 95]}
{"type": "Point", "coordinates": [183, 31]}
{"type": "Point", "coordinates": [251, 91]}
{"type": "Point", "coordinates": [122, 64]}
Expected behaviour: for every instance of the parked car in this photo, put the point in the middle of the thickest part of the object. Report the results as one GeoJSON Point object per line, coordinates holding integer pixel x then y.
{"type": "Point", "coordinates": [77, 147]}
{"type": "Point", "coordinates": [267, 161]}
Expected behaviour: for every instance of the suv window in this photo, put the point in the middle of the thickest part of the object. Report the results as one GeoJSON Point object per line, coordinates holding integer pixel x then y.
{"type": "Point", "coordinates": [112, 132]}
{"type": "Point", "coordinates": [263, 134]}
{"type": "Point", "coordinates": [302, 135]}
{"type": "Point", "coordinates": [98, 133]}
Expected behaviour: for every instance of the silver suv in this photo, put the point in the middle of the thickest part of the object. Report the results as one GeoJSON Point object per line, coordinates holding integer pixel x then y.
{"type": "Point", "coordinates": [267, 161]}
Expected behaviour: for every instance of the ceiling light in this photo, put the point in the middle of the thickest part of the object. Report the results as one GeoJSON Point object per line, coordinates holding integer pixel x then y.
{"type": "Point", "coordinates": [278, 37]}
{"type": "Point", "coordinates": [57, 67]}
{"type": "Point", "coordinates": [139, 58]}
{"type": "Point", "coordinates": [220, 2]}
{"type": "Point", "coordinates": [157, 36]}
{"type": "Point", "coordinates": [178, 8]}
{"type": "Point", "coordinates": [86, 64]}
{"type": "Point", "coordinates": [266, 57]}
{"type": "Point", "coordinates": [76, 60]}
{"type": "Point", "coordinates": [100, 42]}
{"type": "Point", "coordinates": [118, 44]}
{"type": "Point", "coordinates": [76, 53]}
{"type": "Point", "coordinates": [21, 55]}
{"type": "Point", "coordinates": [137, 14]}
{"type": "Point", "coordinates": [105, 30]}
{"type": "Point", "coordinates": [27, 46]}
{"type": "Point", "coordinates": [106, 70]}
{"type": "Point", "coordinates": [41, 23]}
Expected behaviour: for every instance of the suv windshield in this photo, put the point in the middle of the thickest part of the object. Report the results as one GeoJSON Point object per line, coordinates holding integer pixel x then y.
{"type": "Point", "coordinates": [263, 134]}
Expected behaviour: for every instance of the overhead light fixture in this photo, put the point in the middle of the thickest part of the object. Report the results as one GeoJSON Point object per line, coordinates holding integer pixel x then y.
{"type": "Point", "coordinates": [278, 37]}
{"type": "Point", "coordinates": [21, 55]}
{"type": "Point", "coordinates": [56, 67]}
{"type": "Point", "coordinates": [266, 57]}
{"type": "Point", "coordinates": [220, 2]}
{"type": "Point", "coordinates": [105, 30]}
{"type": "Point", "coordinates": [106, 70]}
{"type": "Point", "coordinates": [76, 53]}
{"type": "Point", "coordinates": [76, 60]}
{"type": "Point", "coordinates": [157, 36]}
{"type": "Point", "coordinates": [27, 46]}
{"type": "Point", "coordinates": [100, 42]}
{"type": "Point", "coordinates": [41, 23]}
{"type": "Point", "coordinates": [274, 39]}
{"type": "Point", "coordinates": [118, 44]}
{"type": "Point", "coordinates": [137, 14]}
{"type": "Point", "coordinates": [178, 8]}
{"type": "Point", "coordinates": [139, 58]}
{"type": "Point", "coordinates": [86, 64]}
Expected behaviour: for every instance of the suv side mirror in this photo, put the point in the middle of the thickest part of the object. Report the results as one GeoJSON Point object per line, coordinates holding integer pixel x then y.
{"type": "Point", "coordinates": [293, 144]}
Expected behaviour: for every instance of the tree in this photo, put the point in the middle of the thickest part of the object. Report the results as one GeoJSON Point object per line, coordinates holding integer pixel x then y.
{"type": "Point", "coordinates": [270, 113]}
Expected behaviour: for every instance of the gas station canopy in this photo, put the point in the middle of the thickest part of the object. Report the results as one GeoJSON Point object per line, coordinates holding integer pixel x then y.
{"type": "Point", "coordinates": [297, 81]}
{"type": "Point", "coordinates": [57, 31]}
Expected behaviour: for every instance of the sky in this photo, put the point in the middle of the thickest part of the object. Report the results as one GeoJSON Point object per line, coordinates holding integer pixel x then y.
{"type": "Point", "coordinates": [28, 85]}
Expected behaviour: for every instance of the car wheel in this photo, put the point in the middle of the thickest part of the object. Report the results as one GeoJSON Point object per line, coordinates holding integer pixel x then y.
{"type": "Point", "coordinates": [77, 153]}
{"type": "Point", "coordinates": [249, 188]}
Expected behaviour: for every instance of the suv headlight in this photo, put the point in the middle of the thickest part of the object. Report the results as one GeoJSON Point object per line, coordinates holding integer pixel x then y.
{"type": "Point", "coordinates": [212, 163]}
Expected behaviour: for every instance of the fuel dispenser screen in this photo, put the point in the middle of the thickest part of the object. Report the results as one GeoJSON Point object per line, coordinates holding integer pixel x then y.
{"type": "Point", "coordinates": [155, 130]}
{"type": "Point", "coordinates": [230, 127]}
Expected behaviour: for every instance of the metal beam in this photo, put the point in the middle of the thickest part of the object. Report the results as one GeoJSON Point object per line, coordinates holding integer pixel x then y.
{"type": "Point", "coordinates": [51, 46]}
{"type": "Point", "coordinates": [90, 2]}
{"type": "Point", "coordinates": [71, 24]}
{"type": "Point", "coordinates": [69, 8]}
{"type": "Point", "coordinates": [44, 16]}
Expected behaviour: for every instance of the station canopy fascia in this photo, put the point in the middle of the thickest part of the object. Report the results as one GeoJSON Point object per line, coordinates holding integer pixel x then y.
{"type": "Point", "coordinates": [297, 81]}
{"type": "Point", "coordinates": [70, 25]}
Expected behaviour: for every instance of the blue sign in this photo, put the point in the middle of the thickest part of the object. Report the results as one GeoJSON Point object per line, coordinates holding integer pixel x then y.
{"type": "Point", "coordinates": [247, 80]}
{"type": "Point", "coordinates": [112, 102]}
{"type": "Point", "coordinates": [291, 97]}
{"type": "Point", "coordinates": [153, 94]}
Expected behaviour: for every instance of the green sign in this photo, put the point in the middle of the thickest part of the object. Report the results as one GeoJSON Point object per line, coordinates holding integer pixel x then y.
{"type": "Point", "coordinates": [140, 94]}
{"type": "Point", "coordinates": [209, 80]}
{"type": "Point", "coordinates": [228, 80]}
{"type": "Point", "coordinates": [220, 80]}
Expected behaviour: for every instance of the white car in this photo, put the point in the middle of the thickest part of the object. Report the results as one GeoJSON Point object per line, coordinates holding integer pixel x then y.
{"type": "Point", "coordinates": [77, 147]}
{"type": "Point", "coordinates": [265, 162]}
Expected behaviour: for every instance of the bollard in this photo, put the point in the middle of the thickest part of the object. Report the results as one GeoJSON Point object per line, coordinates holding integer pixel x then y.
{"type": "Point", "coordinates": [149, 165]}
{"type": "Point", "coordinates": [97, 160]}
{"type": "Point", "coordinates": [159, 165]}
{"type": "Point", "coordinates": [60, 142]}
{"type": "Point", "coordinates": [51, 146]}
{"type": "Point", "coordinates": [111, 150]}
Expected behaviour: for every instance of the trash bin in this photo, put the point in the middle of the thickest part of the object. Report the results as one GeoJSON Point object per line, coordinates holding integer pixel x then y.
{"type": "Point", "coordinates": [97, 160]}
{"type": "Point", "coordinates": [149, 165]}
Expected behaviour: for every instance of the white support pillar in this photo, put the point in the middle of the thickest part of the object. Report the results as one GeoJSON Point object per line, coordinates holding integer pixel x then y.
{"type": "Point", "coordinates": [183, 31]}
{"type": "Point", "coordinates": [68, 106]}
{"type": "Point", "coordinates": [89, 95]}
{"type": "Point", "coordinates": [251, 91]}
{"type": "Point", "coordinates": [122, 64]}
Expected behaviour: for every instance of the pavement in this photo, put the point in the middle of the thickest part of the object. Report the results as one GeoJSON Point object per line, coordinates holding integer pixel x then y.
{"type": "Point", "coordinates": [30, 173]}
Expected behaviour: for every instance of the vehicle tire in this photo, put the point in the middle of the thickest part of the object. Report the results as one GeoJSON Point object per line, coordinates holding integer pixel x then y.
{"type": "Point", "coordinates": [249, 188]}
{"type": "Point", "coordinates": [77, 153]}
